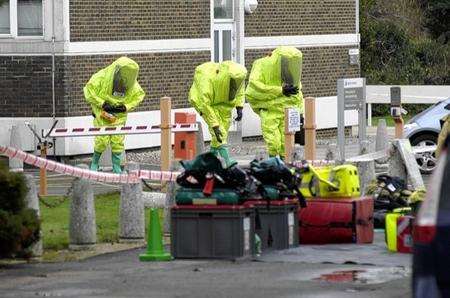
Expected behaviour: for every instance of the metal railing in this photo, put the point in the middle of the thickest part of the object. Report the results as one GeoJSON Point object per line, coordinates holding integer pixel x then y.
{"type": "Point", "coordinates": [418, 94]}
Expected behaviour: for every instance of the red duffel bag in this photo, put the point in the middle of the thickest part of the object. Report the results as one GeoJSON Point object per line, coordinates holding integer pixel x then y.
{"type": "Point", "coordinates": [335, 220]}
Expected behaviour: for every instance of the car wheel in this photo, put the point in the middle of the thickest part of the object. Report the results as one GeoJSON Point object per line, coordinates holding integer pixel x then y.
{"type": "Point", "coordinates": [427, 161]}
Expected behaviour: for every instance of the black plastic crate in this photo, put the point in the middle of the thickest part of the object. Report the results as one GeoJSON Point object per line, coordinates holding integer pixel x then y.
{"type": "Point", "coordinates": [212, 232]}
{"type": "Point", "coordinates": [278, 223]}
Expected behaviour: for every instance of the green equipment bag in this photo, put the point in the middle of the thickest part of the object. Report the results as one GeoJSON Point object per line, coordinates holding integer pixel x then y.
{"type": "Point", "coordinates": [330, 182]}
{"type": "Point", "coordinates": [271, 193]}
{"type": "Point", "coordinates": [220, 196]}
{"type": "Point", "coordinates": [277, 179]}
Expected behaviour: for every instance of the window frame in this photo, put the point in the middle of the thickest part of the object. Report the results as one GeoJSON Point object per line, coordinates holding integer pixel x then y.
{"type": "Point", "coordinates": [14, 25]}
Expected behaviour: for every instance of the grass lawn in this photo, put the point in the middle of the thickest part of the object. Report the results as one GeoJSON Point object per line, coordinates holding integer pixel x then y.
{"type": "Point", "coordinates": [389, 120]}
{"type": "Point", "coordinates": [55, 221]}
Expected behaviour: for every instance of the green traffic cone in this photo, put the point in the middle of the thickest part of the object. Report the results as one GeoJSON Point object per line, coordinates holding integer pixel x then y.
{"type": "Point", "coordinates": [155, 249]}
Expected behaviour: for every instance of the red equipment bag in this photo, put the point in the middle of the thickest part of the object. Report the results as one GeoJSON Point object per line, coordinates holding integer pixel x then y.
{"type": "Point", "coordinates": [404, 233]}
{"type": "Point", "coordinates": [334, 220]}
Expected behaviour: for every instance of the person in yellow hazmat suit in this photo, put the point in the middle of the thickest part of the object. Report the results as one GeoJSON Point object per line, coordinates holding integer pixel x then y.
{"type": "Point", "coordinates": [217, 89]}
{"type": "Point", "coordinates": [113, 92]}
{"type": "Point", "coordinates": [274, 85]}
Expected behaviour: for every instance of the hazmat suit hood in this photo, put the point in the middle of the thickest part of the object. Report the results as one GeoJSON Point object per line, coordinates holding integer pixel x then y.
{"type": "Point", "coordinates": [232, 77]}
{"type": "Point", "coordinates": [122, 75]}
{"type": "Point", "coordinates": [288, 64]}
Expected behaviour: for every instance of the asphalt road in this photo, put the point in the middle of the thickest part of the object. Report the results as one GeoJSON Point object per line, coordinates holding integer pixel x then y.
{"type": "Point", "coordinates": [307, 271]}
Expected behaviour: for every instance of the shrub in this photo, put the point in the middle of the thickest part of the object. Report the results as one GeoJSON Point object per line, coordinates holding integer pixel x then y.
{"type": "Point", "coordinates": [19, 226]}
{"type": "Point", "coordinates": [392, 55]}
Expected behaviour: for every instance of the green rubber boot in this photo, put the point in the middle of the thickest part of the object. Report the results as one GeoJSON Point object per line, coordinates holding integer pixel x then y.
{"type": "Point", "coordinates": [95, 159]}
{"type": "Point", "coordinates": [116, 159]}
{"type": "Point", "coordinates": [214, 151]}
{"type": "Point", "coordinates": [223, 152]}
{"type": "Point", "coordinates": [258, 249]}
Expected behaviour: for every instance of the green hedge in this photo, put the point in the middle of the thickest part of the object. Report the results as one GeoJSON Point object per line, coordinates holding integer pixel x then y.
{"type": "Point", "coordinates": [381, 110]}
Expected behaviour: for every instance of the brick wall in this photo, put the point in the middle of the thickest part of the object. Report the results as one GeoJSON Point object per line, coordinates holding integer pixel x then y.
{"type": "Point", "coordinates": [92, 20]}
{"type": "Point", "coordinates": [321, 68]}
{"type": "Point", "coordinates": [26, 81]}
{"type": "Point", "coordinates": [26, 86]}
{"type": "Point", "coordinates": [301, 17]}
{"type": "Point", "coordinates": [160, 74]}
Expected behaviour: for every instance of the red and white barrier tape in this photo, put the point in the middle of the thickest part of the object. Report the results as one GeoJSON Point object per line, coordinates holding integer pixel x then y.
{"type": "Point", "coordinates": [117, 130]}
{"type": "Point", "coordinates": [314, 163]}
{"type": "Point", "coordinates": [132, 177]}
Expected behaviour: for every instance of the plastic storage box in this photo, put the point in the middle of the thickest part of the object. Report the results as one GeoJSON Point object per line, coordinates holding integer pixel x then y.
{"type": "Point", "coordinates": [278, 223]}
{"type": "Point", "coordinates": [213, 232]}
{"type": "Point", "coordinates": [336, 221]}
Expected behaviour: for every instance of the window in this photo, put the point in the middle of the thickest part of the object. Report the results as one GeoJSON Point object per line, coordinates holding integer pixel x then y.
{"type": "Point", "coordinates": [21, 18]}
{"type": "Point", "coordinates": [223, 28]}
{"type": "Point", "coordinates": [223, 9]}
{"type": "Point", "coordinates": [4, 17]}
{"type": "Point", "coordinates": [223, 42]}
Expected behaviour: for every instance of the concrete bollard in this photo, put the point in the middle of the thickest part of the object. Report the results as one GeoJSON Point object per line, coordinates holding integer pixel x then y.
{"type": "Point", "coordinates": [235, 134]}
{"type": "Point", "coordinates": [298, 153]}
{"type": "Point", "coordinates": [15, 165]}
{"type": "Point", "coordinates": [364, 147]}
{"type": "Point", "coordinates": [131, 213]}
{"type": "Point", "coordinates": [402, 163]}
{"type": "Point", "coordinates": [200, 141]}
{"type": "Point", "coordinates": [170, 199]}
{"type": "Point", "coordinates": [154, 199]}
{"type": "Point", "coordinates": [331, 152]}
{"type": "Point", "coordinates": [32, 202]}
{"type": "Point", "coordinates": [366, 171]}
{"type": "Point", "coordinates": [382, 143]}
{"type": "Point", "coordinates": [261, 154]}
{"type": "Point", "coordinates": [82, 228]}
{"type": "Point", "coordinates": [382, 137]}
{"type": "Point", "coordinates": [366, 168]}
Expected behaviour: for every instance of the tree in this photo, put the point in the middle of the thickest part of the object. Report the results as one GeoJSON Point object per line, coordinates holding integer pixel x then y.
{"type": "Point", "coordinates": [437, 18]}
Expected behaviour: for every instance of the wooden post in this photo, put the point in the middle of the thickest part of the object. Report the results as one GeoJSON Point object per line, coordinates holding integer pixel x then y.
{"type": "Point", "coordinates": [310, 128]}
{"type": "Point", "coordinates": [43, 172]}
{"type": "Point", "coordinates": [166, 134]}
{"type": "Point", "coordinates": [399, 123]}
{"type": "Point", "coordinates": [289, 138]}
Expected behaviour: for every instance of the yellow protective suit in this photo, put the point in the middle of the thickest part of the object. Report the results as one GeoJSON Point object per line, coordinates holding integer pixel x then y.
{"type": "Point", "coordinates": [99, 90]}
{"type": "Point", "coordinates": [217, 89]}
{"type": "Point", "coordinates": [265, 93]}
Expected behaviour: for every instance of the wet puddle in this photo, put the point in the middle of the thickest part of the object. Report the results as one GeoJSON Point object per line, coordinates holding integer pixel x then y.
{"type": "Point", "coordinates": [366, 276]}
